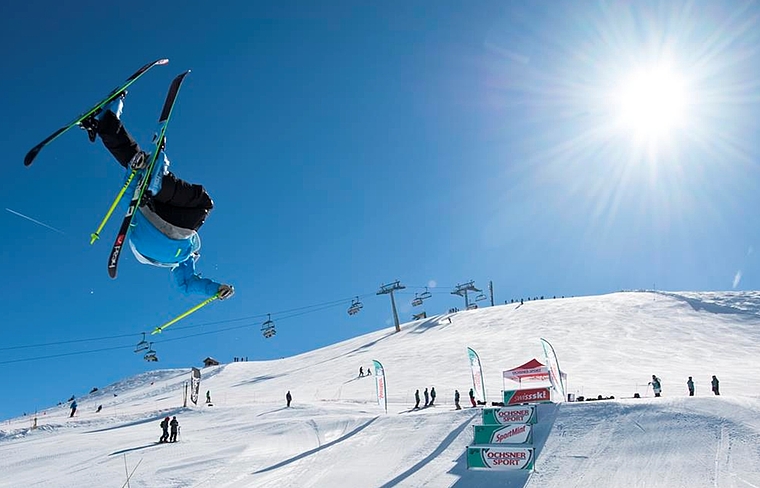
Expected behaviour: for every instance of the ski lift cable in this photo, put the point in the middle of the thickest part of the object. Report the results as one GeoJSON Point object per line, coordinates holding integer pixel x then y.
{"type": "Point", "coordinates": [314, 308]}
{"type": "Point", "coordinates": [225, 329]}
{"type": "Point", "coordinates": [115, 348]}
{"type": "Point", "coordinates": [65, 354]}
{"type": "Point", "coordinates": [301, 311]}
{"type": "Point", "coordinates": [433, 292]}
{"type": "Point", "coordinates": [72, 341]}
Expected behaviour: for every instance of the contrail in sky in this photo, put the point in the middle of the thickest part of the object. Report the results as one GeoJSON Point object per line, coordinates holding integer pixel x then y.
{"type": "Point", "coordinates": [35, 221]}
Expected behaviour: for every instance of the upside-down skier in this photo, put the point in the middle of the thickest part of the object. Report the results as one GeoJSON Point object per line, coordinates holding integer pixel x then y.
{"type": "Point", "coordinates": [164, 227]}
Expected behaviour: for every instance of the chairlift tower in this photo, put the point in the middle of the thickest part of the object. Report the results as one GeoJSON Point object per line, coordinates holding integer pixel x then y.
{"type": "Point", "coordinates": [388, 290]}
{"type": "Point", "coordinates": [462, 290]}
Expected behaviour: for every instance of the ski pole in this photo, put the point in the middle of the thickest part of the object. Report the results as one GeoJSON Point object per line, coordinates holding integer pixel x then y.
{"type": "Point", "coordinates": [96, 235]}
{"type": "Point", "coordinates": [205, 302]}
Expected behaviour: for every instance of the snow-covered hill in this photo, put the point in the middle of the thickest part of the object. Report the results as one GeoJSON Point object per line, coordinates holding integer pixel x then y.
{"type": "Point", "coordinates": [335, 434]}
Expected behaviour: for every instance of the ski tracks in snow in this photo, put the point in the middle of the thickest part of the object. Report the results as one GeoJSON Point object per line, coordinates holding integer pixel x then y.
{"type": "Point", "coordinates": [725, 477]}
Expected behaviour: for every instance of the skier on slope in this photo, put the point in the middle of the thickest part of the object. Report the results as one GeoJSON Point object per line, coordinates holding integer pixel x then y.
{"type": "Point", "coordinates": [656, 385]}
{"type": "Point", "coordinates": [715, 383]}
{"type": "Point", "coordinates": [164, 430]}
{"type": "Point", "coordinates": [164, 229]}
{"type": "Point", "coordinates": [174, 425]}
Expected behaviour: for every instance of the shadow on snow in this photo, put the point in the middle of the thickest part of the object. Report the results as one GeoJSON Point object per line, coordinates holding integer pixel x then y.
{"type": "Point", "coordinates": [317, 449]}
{"type": "Point", "coordinates": [445, 443]}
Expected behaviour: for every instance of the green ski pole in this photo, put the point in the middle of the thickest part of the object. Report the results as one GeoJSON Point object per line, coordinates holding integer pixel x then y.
{"type": "Point", "coordinates": [205, 302]}
{"type": "Point", "coordinates": [96, 235]}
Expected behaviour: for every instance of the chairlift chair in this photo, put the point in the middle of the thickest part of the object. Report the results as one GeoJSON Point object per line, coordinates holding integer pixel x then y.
{"type": "Point", "coordinates": [150, 356]}
{"type": "Point", "coordinates": [425, 294]}
{"type": "Point", "coordinates": [356, 305]}
{"type": "Point", "coordinates": [267, 328]}
{"type": "Point", "coordinates": [417, 301]}
{"type": "Point", "coordinates": [480, 297]}
{"type": "Point", "coordinates": [472, 306]}
{"type": "Point", "coordinates": [142, 345]}
{"type": "Point", "coordinates": [268, 322]}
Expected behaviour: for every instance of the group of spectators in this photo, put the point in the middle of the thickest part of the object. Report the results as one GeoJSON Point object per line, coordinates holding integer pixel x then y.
{"type": "Point", "coordinates": [656, 384]}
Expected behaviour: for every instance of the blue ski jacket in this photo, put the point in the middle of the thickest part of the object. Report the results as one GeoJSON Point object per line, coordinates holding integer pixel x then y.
{"type": "Point", "coordinates": [151, 246]}
{"type": "Point", "coordinates": [158, 243]}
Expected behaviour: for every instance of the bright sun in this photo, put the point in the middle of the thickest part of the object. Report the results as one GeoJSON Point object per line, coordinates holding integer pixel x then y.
{"type": "Point", "coordinates": [651, 102]}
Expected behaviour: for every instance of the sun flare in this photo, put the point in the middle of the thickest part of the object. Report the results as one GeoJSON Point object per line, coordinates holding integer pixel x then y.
{"type": "Point", "coordinates": [652, 102]}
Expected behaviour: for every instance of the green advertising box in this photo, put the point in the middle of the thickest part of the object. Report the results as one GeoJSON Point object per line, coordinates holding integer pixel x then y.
{"type": "Point", "coordinates": [504, 434]}
{"type": "Point", "coordinates": [522, 414]}
{"type": "Point", "coordinates": [500, 457]}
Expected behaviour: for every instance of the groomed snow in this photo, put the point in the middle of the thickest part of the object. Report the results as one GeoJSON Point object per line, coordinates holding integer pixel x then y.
{"type": "Point", "coordinates": [335, 434]}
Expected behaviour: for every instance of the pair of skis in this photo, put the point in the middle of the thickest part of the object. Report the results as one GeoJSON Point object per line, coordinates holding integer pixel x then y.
{"type": "Point", "coordinates": [145, 174]}
{"type": "Point", "coordinates": [158, 142]}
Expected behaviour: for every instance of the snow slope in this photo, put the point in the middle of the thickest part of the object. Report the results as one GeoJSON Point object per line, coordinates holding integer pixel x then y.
{"type": "Point", "coordinates": [335, 434]}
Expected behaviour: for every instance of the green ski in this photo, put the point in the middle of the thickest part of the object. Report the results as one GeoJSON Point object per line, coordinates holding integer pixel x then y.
{"type": "Point", "coordinates": [95, 110]}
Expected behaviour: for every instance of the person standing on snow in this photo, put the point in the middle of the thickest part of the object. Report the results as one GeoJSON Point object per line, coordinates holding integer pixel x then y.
{"type": "Point", "coordinates": [456, 400]}
{"type": "Point", "coordinates": [288, 397]}
{"type": "Point", "coordinates": [174, 426]}
{"type": "Point", "coordinates": [417, 399]}
{"type": "Point", "coordinates": [715, 386]}
{"type": "Point", "coordinates": [73, 408]}
{"type": "Point", "coordinates": [656, 385]}
{"type": "Point", "coordinates": [432, 396]}
{"type": "Point", "coordinates": [690, 386]}
{"type": "Point", "coordinates": [164, 227]}
{"type": "Point", "coordinates": [426, 398]}
{"type": "Point", "coordinates": [165, 429]}
{"type": "Point", "coordinates": [472, 397]}
{"type": "Point", "coordinates": [208, 396]}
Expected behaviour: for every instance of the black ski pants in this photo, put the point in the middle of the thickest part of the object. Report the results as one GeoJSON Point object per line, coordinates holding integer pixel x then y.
{"type": "Point", "coordinates": [180, 203]}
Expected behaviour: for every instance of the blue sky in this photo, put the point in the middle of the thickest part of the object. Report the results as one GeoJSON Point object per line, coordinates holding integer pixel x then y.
{"type": "Point", "coordinates": [347, 146]}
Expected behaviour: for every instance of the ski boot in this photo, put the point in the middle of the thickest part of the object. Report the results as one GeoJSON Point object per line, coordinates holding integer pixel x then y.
{"type": "Point", "coordinates": [90, 124]}
{"type": "Point", "coordinates": [139, 161]}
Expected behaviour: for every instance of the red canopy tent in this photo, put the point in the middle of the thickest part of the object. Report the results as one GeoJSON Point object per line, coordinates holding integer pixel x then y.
{"type": "Point", "coordinates": [533, 370]}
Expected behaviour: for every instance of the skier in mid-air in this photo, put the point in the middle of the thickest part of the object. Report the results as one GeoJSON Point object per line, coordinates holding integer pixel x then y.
{"type": "Point", "coordinates": [164, 228]}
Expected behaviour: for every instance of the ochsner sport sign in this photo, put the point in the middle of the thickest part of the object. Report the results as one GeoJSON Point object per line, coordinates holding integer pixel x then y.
{"type": "Point", "coordinates": [498, 457]}
{"type": "Point", "coordinates": [525, 414]}
{"type": "Point", "coordinates": [528, 395]}
{"type": "Point", "coordinates": [504, 434]}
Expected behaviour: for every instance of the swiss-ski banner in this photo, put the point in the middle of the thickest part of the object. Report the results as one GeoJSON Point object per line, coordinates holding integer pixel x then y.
{"type": "Point", "coordinates": [555, 374]}
{"type": "Point", "coordinates": [477, 375]}
{"type": "Point", "coordinates": [195, 385]}
{"type": "Point", "coordinates": [382, 396]}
